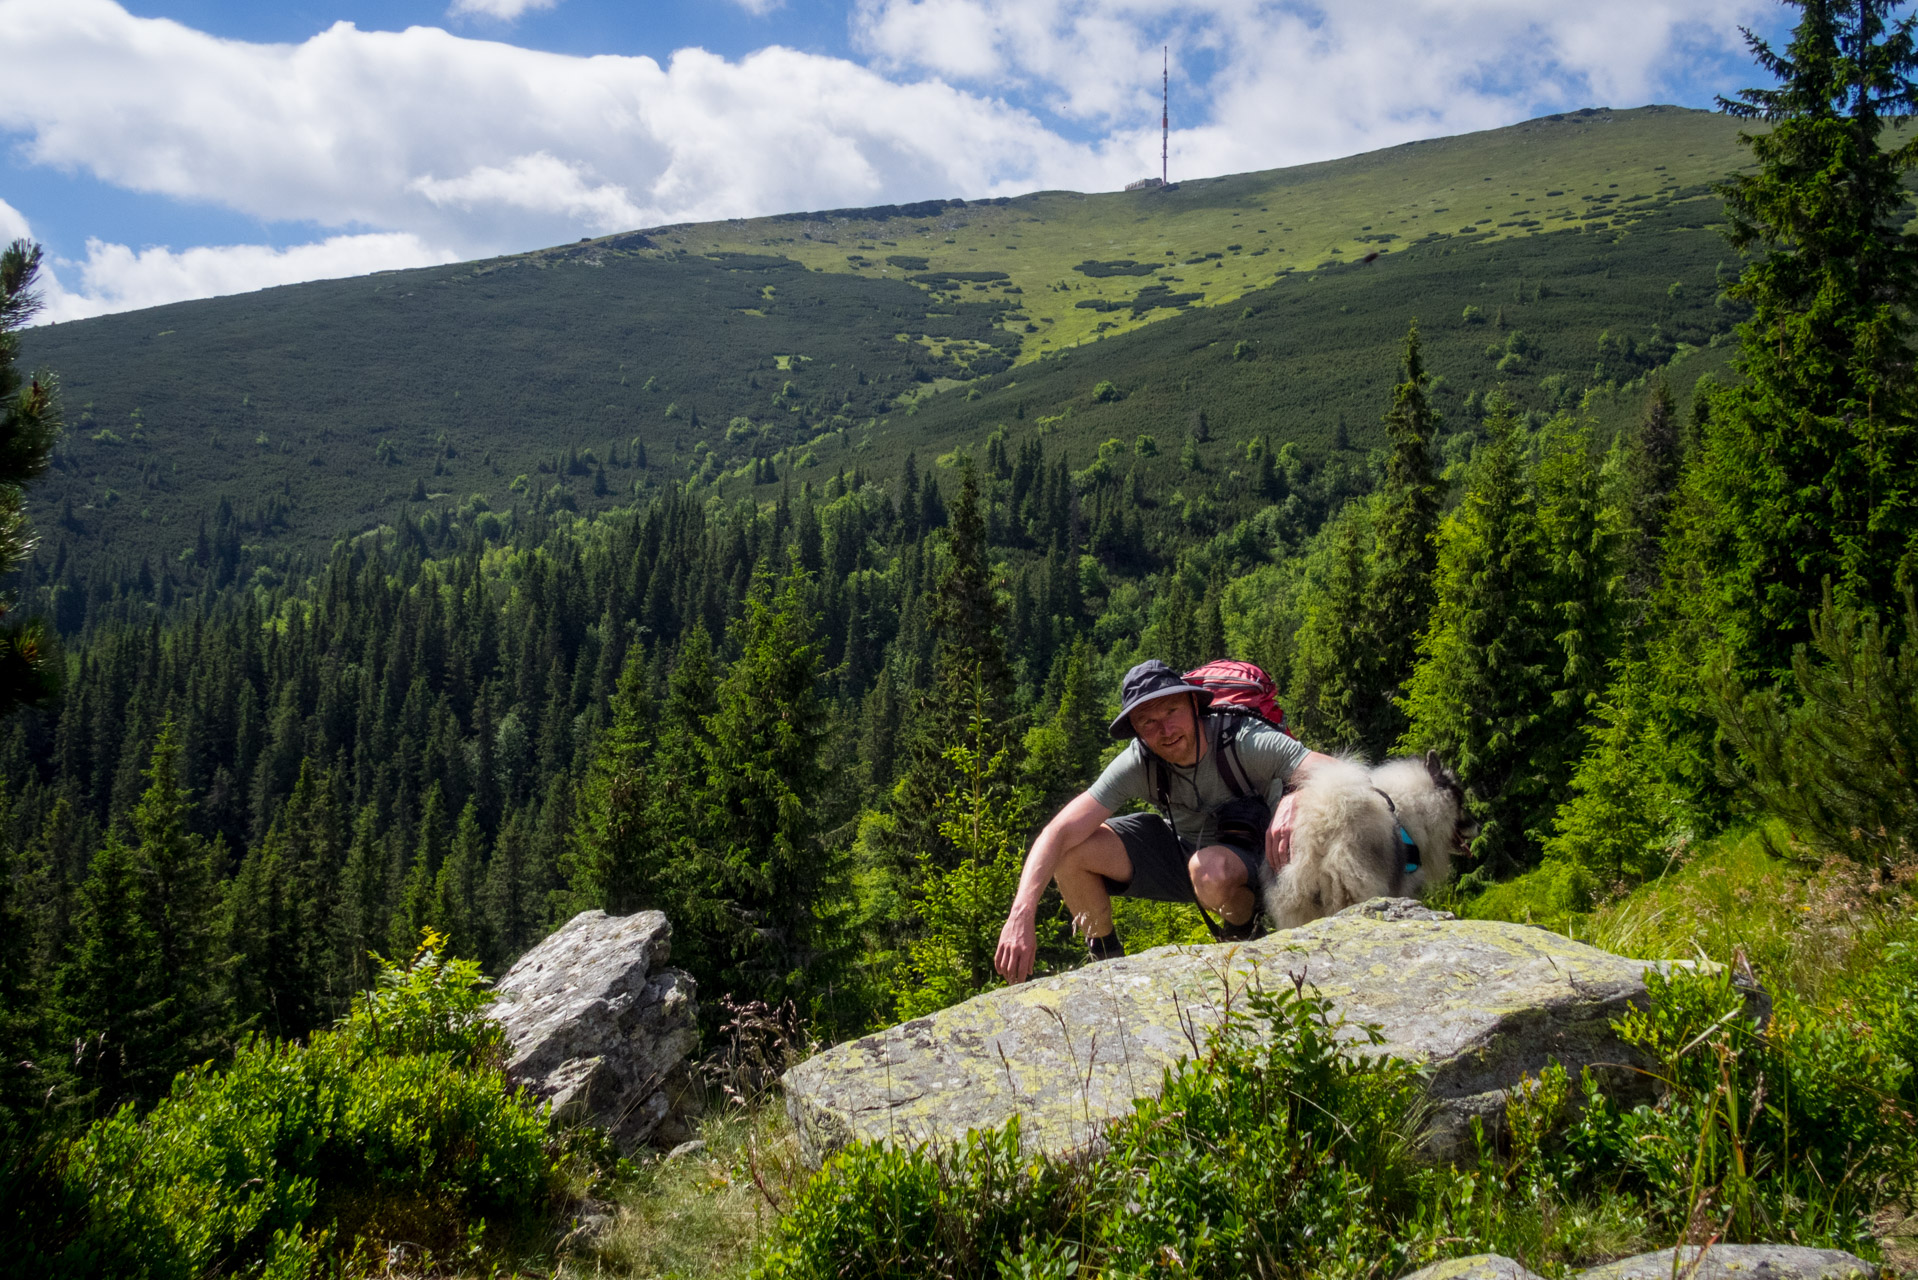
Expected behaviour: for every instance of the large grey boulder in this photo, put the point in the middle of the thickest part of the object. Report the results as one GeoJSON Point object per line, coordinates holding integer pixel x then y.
{"type": "Point", "coordinates": [1720, 1262]}
{"type": "Point", "coordinates": [1478, 1266]}
{"type": "Point", "coordinates": [1737, 1262]}
{"type": "Point", "coordinates": [602, 1028]}
{"type": "Point", "coordinates": [1478, 1003]}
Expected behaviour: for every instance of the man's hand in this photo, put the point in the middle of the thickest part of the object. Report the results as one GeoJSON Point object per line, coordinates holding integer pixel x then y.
{"type": "Point", "coordinates": [1278, 836]}
{"type": "Point", "coordinates": [1018, 945]}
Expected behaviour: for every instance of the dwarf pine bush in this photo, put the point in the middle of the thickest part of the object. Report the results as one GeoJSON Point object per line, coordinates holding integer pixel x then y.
{"type": "Point", "coordinates": [396, 1125]}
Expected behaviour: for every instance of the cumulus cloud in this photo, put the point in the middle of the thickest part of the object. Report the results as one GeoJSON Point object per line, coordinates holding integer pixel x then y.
{"type": "Point", "coordinates": [13, 224]}
{"type": "Point", "coordinates": [449, 137]}
{"type": "Point", "coordinates": [504, 10]}
{"type": "Point", "coordinates": [114, 277]}
{"type": "Point", "coordinates": [1291, 82]}
{"type": "Point", "coordinates": [542, 183]}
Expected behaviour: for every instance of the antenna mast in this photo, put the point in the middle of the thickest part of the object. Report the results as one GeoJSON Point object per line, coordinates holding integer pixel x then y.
{"type": "Point", "coordinates": [1165, 113]}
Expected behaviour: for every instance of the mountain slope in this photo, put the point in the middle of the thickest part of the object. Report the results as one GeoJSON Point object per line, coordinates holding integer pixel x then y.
{"type": "Point", "coordinates": [733, 352]}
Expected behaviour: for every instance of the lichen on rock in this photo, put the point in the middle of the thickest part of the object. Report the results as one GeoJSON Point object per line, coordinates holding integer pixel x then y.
{"type": "Point", "coordinates": [1479, 1004]}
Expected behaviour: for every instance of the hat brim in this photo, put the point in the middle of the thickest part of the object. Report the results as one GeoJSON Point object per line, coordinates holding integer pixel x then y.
{"type": "Point", "coordinates": [1121, 726]}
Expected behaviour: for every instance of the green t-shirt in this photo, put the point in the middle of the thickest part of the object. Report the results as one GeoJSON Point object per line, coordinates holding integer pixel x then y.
{"type": "Point", "coordinates": [1194, 794]}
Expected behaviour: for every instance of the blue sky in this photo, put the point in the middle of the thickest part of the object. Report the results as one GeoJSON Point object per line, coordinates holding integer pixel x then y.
{"type": "Point", "coordinates": [167, 149]}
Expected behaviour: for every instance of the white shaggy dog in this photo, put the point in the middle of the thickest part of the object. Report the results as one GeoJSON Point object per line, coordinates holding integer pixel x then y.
{"type": "Point", "coordinates": [1346, 845]}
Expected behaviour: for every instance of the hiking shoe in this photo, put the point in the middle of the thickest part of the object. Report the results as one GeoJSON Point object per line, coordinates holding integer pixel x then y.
{"type": "Point", "coordinates": [1225, 931]}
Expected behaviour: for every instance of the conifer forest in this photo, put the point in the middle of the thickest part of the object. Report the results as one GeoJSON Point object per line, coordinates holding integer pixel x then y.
{"type": "Point", "coordinates": [1652, 597]}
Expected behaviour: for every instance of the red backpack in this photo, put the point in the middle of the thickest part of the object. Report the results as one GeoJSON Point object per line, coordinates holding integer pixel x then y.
{"type": "Point", "coordinates": [1240, 689]}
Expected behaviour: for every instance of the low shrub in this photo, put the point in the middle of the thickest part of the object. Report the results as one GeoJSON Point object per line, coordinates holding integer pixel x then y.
{"type": "Point", "coordinates": [1796, 1131]}
{"type": "Point", "coordinates": [398, 1125]}
{"type": "Point", "coordinates": [1274, 1153]}
{"type": "Point", "coordinates": [1271, 1153]}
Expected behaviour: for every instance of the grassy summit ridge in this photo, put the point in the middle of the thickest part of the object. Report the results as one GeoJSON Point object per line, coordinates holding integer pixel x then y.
{"type": "Point", "coordinates": [739, 351]}
{"type": "Point", "coordinates": [1227, 237]}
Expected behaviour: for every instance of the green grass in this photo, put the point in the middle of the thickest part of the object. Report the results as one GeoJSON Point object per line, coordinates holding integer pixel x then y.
{"type": "Point", "coordinates": [1569, 171]}
{"type": "Point", "coordinates": [704, 1215]}
{"type": "Point", "coordinates": [1801, 926]}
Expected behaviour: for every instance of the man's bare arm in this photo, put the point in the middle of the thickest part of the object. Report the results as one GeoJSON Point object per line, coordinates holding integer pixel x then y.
{"type": "Point", "coordinates": [1278, 837]}
{"type": "Point", "coordinates": [1018, 940]}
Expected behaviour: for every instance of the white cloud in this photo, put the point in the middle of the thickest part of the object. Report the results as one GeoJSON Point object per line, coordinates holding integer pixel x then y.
{"type": "Point", "coordinates": [13, 224]}
{"type": "Point", "coordinates": [760, 8]}
{"type": "Point", "coordinates": [1293, 82]}
{"type": "Point", "coordinates": [542, 183]}
{"type": "Point", "coordinates": [449, 138]}
{"type": "Point", "coordinates": [504, 10]}
{"type": "Point", "coordinates": [114, 277]}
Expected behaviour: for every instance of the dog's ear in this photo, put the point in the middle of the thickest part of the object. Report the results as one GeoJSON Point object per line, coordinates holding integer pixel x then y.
{"type": "Point", "coordinates": [1442, 777]}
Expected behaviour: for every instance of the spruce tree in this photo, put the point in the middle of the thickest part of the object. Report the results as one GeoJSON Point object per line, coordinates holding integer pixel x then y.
{"type": "Point", "coordinates": [457, 888]}
{"type": "Point", "coordinates": [1809, 465]}
{"type": "Point", "coordinates": [1487, 663]}
{"type": "Point", "coordinates": [29, 425]}
{"type": "Point", "coordinates": [181, 900]}
{"type": "Point", "coordinates": [362, 922]}
{"type": "Point", "coordinates": [22, 1032]}
{"type": "Point", "coordinates": [612, 858]}
{"type": "Point", "coordinates": [416, 907]}
{"type": "Point", "coordinates": [1651, 452]}
{"type": "Point", "coordinates": [509, 900]}
{"type": "Point", "coordinates": [969, 674]}
{"type": "Point", "coordinates": [1062, 755]}
{"type": "Point", "coordinates": [1331, 661]}
{"type": "Point", "coordinates": [114, 1005]}
{"type": "Point", "coordinates": [1174, 637]}
{"type": "Point", "coordinates": [1404, 557]}
{"type": "Point", "coordinates": [960, 910]}
{"type": "Point", "coordinates": [1802, 474]}
{"type": "Point", "coordinates": [1579, 534]}
{"type": "Point", "coordinates": [282, 973]}
{"type": "Point", "coordinates": [761, 867]}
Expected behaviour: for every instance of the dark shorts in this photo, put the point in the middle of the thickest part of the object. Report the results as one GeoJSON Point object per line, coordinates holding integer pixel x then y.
{"type": "Point", "coordinates": [1159, 871]}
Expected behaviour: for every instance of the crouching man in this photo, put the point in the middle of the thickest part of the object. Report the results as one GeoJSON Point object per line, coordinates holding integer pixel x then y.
{"type": "Point", "coordinates": [1210, 851]}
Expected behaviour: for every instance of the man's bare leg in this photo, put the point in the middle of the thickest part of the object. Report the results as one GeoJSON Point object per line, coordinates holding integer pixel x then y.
{"type": "Point", "coordinates": [1082, 874]}
{"type": "Point", "coordinates": [1219, 883]}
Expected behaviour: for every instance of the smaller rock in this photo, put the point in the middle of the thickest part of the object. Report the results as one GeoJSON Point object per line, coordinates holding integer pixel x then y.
{"type": "Point", "coordinates": [1399, 909]}
{"type": "Point", "coordinates": [601, 1028]}
{"type": "Point", "coordinates": [1479, 1266]}
{"type": "Point", "coordinates": [1737, 1262]}
{"type": "Point", "coordinates": [691, 1148]}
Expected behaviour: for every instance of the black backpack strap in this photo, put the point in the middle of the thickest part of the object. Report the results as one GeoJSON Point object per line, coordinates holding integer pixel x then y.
{"type": "Point", "coordinates": [1161, 783]}
{"type": "Point", "coordinates": [1231, 767]}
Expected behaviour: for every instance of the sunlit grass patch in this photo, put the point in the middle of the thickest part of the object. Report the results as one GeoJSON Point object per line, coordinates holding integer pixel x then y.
{"type": "Point", "coordinates": [704, 1214]}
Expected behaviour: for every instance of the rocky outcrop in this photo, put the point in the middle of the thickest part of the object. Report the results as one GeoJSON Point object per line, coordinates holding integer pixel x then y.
{"type": "Point", "coordinates": [1737, 1262]}
{"type": "Point", "coordinates": [1479, 1003]}
{"type": "Point", "coordinates": [1720, 1262]}
{"type": "Point", "coordinates": [1479, 1266]}
{"type": "Point", "coordinates": [599, 1026]}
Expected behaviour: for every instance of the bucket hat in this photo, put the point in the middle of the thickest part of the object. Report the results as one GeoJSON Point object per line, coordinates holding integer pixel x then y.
{"type": "Point", "coordinates": [1151, 679]}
